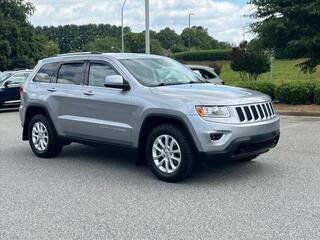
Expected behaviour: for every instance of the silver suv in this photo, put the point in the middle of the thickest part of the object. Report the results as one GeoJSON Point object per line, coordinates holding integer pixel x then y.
{"type": "Point", "coordinates": [151, 104]}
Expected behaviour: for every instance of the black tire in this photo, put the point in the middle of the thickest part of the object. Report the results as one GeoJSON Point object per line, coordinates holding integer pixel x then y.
{"type": "Point", "coordinates": [248, 159]}
{"type": "Point", "coordinates": [187, 162]}
{"type": "Point", "coordinates": [54, 145]}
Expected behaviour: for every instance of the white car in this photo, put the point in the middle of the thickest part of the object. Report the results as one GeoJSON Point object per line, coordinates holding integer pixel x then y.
{"type": "Point", "coordinates": [207, 73]}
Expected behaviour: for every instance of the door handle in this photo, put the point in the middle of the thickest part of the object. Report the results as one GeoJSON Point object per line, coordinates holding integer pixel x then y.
{"type": "Point", "coordinates": [89, 93]}
{"type": "Point", "coordinates": [52, 89]}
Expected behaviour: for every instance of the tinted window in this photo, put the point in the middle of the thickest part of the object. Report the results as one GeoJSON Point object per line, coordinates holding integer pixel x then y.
{"type": "Point", "coordinates": [71, 73]}
{"type": "Point", "coordinates": [98, 72]}
{"type": "Point", "coordinates": [46, 72]}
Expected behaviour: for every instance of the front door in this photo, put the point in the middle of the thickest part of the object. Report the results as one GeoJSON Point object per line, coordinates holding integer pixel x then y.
{"type": "Point", "coordinates": [106, 112]}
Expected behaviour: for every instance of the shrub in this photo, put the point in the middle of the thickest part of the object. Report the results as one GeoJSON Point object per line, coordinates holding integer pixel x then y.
{"type": "Point", "coordinates": [317, 93]}
{"type": "Point", "coordinates": [203, 55]}
{"type": "Point", "coordinates": [216, 66]}
{"type": "Point", "coordinates": [264, 87]}
{"type": "Point", "coordinates": [178, 47]}
{"type": "Point", "coordinates": [295, 93]}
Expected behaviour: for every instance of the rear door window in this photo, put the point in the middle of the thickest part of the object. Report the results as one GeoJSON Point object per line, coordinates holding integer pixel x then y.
{"type": "Point", "coordinates": [46, 73]}
{"type": "Point", "coordinates": [71, 73]}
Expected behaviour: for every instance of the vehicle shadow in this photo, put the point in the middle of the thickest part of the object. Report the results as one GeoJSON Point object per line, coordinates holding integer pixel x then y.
{"type": "Point", "coordinates": [123, 161]}
{"type": "Point", "coordinates": [221, 172]}
{"type": "Point", "coordinates": [105, 155]}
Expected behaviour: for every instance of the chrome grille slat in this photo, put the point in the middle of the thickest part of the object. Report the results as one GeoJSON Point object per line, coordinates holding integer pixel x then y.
{"type": "Point", "coordinates": [255, 112]}
{"type": "Point", "coordinates": [272, 110]}
{"type": "Point", "coordinates": [252, 115]}
{"type": "Point", "coordinates": [259, 116]}
{"type": "Point", "coordinates": [265, 110]}
{"type": "Point", "coordinates": [244, 113]}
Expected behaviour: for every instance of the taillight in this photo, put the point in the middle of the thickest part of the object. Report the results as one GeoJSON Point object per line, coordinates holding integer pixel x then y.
{"type": "Point", "coordinates": [21, 89]}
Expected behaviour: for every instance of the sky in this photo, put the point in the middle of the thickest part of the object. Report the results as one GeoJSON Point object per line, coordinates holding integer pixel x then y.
{"type": "Point", "coordinates": [224, 19]}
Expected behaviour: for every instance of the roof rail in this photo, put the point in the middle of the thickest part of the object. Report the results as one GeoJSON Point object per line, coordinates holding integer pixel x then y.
{"type": "Point", "coordinates": [76, 53]}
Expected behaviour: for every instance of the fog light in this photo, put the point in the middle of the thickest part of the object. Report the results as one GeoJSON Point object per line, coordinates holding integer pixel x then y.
{"type": "Point", "coordinates": [216, 136]}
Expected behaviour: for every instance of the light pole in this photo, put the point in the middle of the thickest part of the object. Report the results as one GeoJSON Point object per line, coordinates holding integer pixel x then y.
{"type": "Point", "coordinates": [190, 14]}
{"type": "Point", "coordinates": [122, 34]}
{"type": "Point", "coordinates": [147, 41]}
{"type": "Point", "coordinates": [271, 64]}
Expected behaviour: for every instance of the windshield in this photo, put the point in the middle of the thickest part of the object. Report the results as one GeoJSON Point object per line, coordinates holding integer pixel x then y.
{"type": "Point", "coordinates": [4, 76]}
{"type": "Point", "coordinates": [160, 72]}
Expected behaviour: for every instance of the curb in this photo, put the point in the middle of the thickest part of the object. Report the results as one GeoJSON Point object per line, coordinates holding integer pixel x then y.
{"type": "Point", "coordinates": [299, 114]}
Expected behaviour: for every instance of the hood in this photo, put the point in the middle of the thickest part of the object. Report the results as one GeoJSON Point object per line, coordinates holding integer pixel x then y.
{"type": "Point", "coordinates": [209, 94]}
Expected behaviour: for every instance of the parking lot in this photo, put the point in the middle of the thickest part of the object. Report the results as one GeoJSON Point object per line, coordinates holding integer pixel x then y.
{"type": "Point", "coordinates": [92, 193]}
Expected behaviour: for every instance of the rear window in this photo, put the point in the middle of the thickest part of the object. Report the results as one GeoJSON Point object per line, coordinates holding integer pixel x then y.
{"type": "Point", "coordinates": [71, 73]}
{"type": "Point", "coordinates": [46, 73]}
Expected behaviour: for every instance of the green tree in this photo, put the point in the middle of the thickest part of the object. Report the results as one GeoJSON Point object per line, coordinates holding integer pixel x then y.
{"type": "Point", "coordinates": [18, 47]}
{"type": "Point", "coordinates": [107, 44]}
{"type": "Point", "coordinates": [47, 47]}
{"type": "Point", "coordinates": [199, 38]}
{"type": "Point", "coordinates": [75, 38]}
{"type": "Point", "coordinates": [169, 38]}
{"type": "Point", "coordinates": [156, 47]}
{"type": "Point", "coordinates": [135, 42]}
{"type": "Point", "coordinates": [290, 27]}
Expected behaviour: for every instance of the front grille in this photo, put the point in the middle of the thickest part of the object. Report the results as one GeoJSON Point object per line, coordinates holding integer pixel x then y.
{"type": "Point", "coordinates": [256, 112]}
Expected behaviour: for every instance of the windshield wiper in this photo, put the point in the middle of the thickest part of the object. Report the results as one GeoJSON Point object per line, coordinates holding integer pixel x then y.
{"type": "Point", "coordinates": [193, 82]}
{"type": "Point", "coordinates": [167, 84]}
{"type": "Point", "coordinates": [177, 83]}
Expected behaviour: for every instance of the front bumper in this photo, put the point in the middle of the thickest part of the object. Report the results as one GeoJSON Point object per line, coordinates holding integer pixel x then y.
{"type": "Point", "coordinates": [245, 147]}
{"type": "Point", "coordinates": [238, 141]}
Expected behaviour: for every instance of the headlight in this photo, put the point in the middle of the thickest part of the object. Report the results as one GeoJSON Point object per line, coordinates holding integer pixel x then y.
{"type": "Point", "coordinates": [213, 111]}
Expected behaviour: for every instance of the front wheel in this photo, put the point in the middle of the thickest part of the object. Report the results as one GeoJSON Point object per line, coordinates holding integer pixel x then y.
{"type": "Point", "coordinates": [43, 139]}
{"type": "Point", "coordinates": [170, 154]}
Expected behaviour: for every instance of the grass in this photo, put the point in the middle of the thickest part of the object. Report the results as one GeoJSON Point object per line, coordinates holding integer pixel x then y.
{"type": "Point", "coordinates": [283, 70]}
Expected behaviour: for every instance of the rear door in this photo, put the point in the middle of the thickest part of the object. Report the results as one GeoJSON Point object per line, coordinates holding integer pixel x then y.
{"type": "Point", "coordinates": [106, 113]}
{"type": "Point", "coordinates": [64, 97]}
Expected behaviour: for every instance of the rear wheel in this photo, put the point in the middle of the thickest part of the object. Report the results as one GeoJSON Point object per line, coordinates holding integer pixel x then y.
{"type": "Point", "coordinates": [43, 139]}
{"type": "Point", "coordinates": [169, 153]}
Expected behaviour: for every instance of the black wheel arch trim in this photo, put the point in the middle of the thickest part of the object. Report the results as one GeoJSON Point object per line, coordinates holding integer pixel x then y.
{"type": "Point", "coordinates": [27, 120]}
{"type": "Point", "coordinates": [141, 160]}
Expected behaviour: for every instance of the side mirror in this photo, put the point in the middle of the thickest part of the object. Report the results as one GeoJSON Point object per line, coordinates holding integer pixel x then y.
{"type": "Point", "coordinates": [7, 83]}
{"type": "Point", "coordinates": [116, 81]}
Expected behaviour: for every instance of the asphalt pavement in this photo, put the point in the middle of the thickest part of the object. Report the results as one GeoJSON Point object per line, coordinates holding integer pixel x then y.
{"type": "Point", "coordinates": [94, 193]}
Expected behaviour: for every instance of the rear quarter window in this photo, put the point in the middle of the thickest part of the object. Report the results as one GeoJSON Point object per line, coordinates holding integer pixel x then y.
{"type": "Point", "coordinates": [46, 73]}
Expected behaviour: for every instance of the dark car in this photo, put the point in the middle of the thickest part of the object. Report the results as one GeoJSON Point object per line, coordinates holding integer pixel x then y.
{"type": "Point", "coordinates": [10, 81]}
